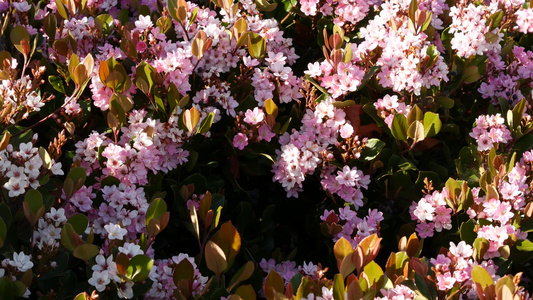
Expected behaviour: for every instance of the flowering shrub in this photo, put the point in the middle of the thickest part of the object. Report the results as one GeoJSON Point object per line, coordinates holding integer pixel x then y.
{"type": "Point", "coordinates": [278, 149]}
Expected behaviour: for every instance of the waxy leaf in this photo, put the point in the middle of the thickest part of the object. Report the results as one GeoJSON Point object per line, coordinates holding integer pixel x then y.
{"type": "Point", "coordinates": [399, 127]}
{"type": "Point", "coordinates": [139, 268]}
{"type": "Point", "coordinates": [215, 258]}
{"type": "Point", "coordinates": [20, 39]}
{"type": "Point", "coordinates": [432, 124]}
{"type": "Point", "coordinates": [191, 117]}
{"type": "Point", "coordinates": [86, 251]}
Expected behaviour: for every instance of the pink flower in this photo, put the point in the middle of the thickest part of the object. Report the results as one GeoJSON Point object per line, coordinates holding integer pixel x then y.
{"type": "Point", "coordinates": [254, 117]}
{"type": "Point", "coordinates": [347, 176]}
{"type": "Point", "coordinates": [144, 22]}
{"type": "Point", "coordinates": [346, 131]}
{"type": "Point", "coordinates": [240, 141]}
{"type": "Point", "coordinates": [141, 46]}
{"type": "Point", "coordinates": [461, 250]}
{"type": "Point", "coordinates": [425, 229]}
{"type": "Point", "coordinates": [445, 281]}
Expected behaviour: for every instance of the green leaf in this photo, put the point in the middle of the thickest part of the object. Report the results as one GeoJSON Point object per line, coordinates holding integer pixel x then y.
{"type": "Point", "coordinates": [34, 200]}
{"type": "Point", "coordinates": [467, 231]}
{"type": "Point", "coordinates": [57, 83]}
{"type": "Point", "coordinates": [156, 209]}
{"type": "Point", "coordinates": [524, 245]}
{"type": "Point", "coordinates": [107, 23]}
{"type": "Point", "coordinates": [206, 123]}
{"type": "Point", "coordinates": [61, 9]}
{"type": "Point", "coordinates": [495, 19]}
{"type": "Point", "coordinates": [243, 274]}
{"type": "Point", "coordinates": [432, 124]}
{"type": "Point", "coordinates": [3, 232]}
{"type": "Point", "coordinates": [6, 289]}
{"type": "Point", "coordinates": [79, 223]}
{"type": "Point", "coordinates": [518, 112]}
{"type": "Point", "coordinates": [86, 251]}
{"type": "Point", "coordinates": [256, 45]}
{"type": "Point", "coordinates": [375, 274]}
{"type": "Point", "coordinates": [481, 276]}
{"type": "Point", "coordinates": [143, 77]}
{"type": "Point", "coordinates": [139, 268]}
{"type": "Point", "coordinates": [446, 102]}
{"type": "Point", "coordinates": [338, 287]}
{"type": "Point", "coordinates": [67, 237]}
{"type": "Point", "coordinates": [471, 74]}
{"type": "Point", "coordinates": [78, 176]}
{"type": "Point", "coordinates": [372, 149]}
{"type": "Point", "coordinates": [399, 127]}
{"type": "Point", "coordinates": [20, 39]}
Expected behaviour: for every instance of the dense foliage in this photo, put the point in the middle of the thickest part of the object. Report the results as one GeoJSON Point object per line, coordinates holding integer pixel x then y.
{"type": "Point", "coordinates": [279, 149]}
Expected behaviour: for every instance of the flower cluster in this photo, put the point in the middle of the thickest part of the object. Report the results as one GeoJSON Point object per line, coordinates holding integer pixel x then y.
{"type": "Point", "coordinates": [470, 30]}
{"type": "Point", "coordinates": [490, 130]}
{"type": "Point", "coordinates": [288, 269]}
{"type": "Point", "coordinates": [162, 276]}
{"type": "Point", "coordinates": [432, 214]}
{"type": "Point", "coordinates": [302, 151]}
{"type": "Point", "coordinates": [354, 229]}
{"type": "Point", "coordinates": [421, 65]}
{"type": "Point", "coordinates": [22, 169]}
{"type": "Point", "coordinates": [504, 81]}
{"type": "Point", "coordinates": [388, 106]}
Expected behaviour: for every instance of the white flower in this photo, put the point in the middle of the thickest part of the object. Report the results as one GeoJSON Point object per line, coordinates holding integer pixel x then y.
{"type": "Point", "coordinates": [21, 6]}
{"type": "Point", "coordinates": [115, 232]}
{"type": "Point", "coordinates": [309, 269]}
{"type": "Point", "coordinates": [125, 290]}
{"type": "Point", "coordinates": [15, 186]}
{"type": "Point", "coordinates": [131, 249]}
{"type": "Point", "coordinates": [144, 22]}
{"type": "Point", "coordinates": [99, 280]}
{"type": "Point", "coordinates": [58, 216]}
{"type": "Point", "coordinates": [56, 169]}
{"type": "Point", "coordinates": [462, 249]}
{"type": "Point", "coordinates": [21, 261]}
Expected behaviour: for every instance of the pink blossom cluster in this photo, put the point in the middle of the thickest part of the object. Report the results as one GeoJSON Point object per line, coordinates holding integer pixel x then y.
{"type": "Point", "coordinates": [256, 131]}
{"type": "Point", "coordinates": [146, 145]}
{"type": "Point", "coordinates": [344, 11]}
{"type": "Point", "coordinates": [470, 30]}
{"type": "Point", "coordinates": [513, 190]}
{"type": "Point", "coordinates": [162, 276]}
{"type": "Point", "coordinates": [216, 98]}
{"type": "Point", "coordinates": [302, 151]}
{"type": "Point", "coordinates": [48, 232]}
{"type": "Point", "coordinates": [454, 268]}
{"type": "Point", "coordinates": [339, 79]}
{"type": "Point", "coordinates": [346, 183]}
{"type": "Point", "coordinates": [20, 93]}
{"type": "Point", "coordinates": [278, 78]}
{"type": "Point", "coordinates": [400, 291]}
{"type": "Point", "coordinates": [124, 204]}
{"type": "Point", "coordinates": [407, 62]}
{"type": "Point", "coordinates": [388, 106]}
{"type": "Point", "coordinates": [354, 229]}
{"type": "Point", "coordinates": [523, 20]}
{"type": "Point", "coordinates": [21, 170]}
{"type": "Point", "coordinates": [288, 269]}
{"type": "Point", "coordinates": [504, 81]}
{"type": "Point", "coordinates": [490, 130]}
{"type": "Point", "coordinates": [432, 214]}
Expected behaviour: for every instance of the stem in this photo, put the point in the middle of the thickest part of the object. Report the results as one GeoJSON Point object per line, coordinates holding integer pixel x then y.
{"type": "Point", "coordinates": [49, 116]}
